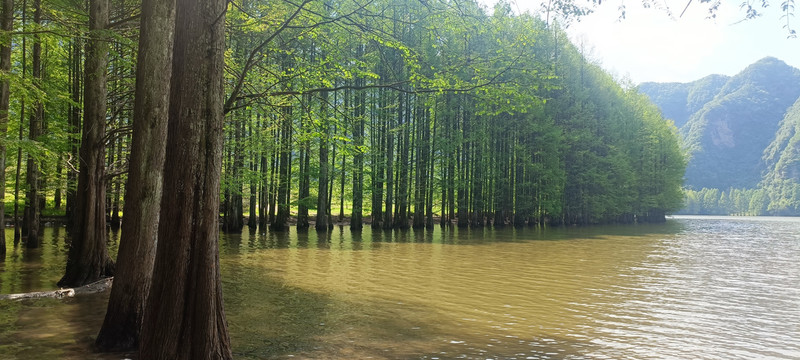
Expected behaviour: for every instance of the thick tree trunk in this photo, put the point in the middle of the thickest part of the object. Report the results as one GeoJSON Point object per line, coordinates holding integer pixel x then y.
{"type": "Point", "coordinates": [88, 258]}
{"type": "Point", "coordinates": [185, 317]}
{"type": "Point", "coordinates": [126, 304]}
{"type": "Point", "coordinates": [6, 26]}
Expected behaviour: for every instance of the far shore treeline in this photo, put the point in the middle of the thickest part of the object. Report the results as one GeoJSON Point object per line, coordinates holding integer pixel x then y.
{"type": "Point", "coordinates": [393, 113]}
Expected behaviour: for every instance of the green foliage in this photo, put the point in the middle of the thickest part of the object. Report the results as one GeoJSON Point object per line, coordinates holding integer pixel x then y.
{"type": "Point", "coordinates": [434, 107]}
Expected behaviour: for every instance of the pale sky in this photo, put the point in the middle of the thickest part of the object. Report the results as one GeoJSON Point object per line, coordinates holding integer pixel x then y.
{"type": "Point", "coordinates": [650, 46]}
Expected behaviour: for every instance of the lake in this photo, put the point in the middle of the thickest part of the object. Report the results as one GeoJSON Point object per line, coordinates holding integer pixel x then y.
{"type": "Point", "coordinates": [693, 288]}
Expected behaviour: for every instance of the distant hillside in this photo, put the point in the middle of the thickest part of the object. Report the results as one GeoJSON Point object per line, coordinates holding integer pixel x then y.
{"type": "Point", "coordinates": [678, 101]}
{"type": "Point", "coordinates": [782, 179]}
{"type": "Point", "coordinates": [728, 123]}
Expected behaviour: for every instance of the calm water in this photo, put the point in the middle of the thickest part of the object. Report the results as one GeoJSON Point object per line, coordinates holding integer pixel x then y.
{"type": "Point", "coordinates": [694, 288]}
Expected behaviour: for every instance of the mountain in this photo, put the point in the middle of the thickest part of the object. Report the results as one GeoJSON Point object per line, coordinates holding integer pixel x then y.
{"type": "Point", "coordinates": [678, 101]}
{"type": "Point", "coordinates": [782, 156]}
{"type": "Point", "coordinates": [728, 123]}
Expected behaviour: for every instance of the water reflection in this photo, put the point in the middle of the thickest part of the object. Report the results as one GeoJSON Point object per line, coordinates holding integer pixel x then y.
{"type": "Point", "coordinates": [340, 238]}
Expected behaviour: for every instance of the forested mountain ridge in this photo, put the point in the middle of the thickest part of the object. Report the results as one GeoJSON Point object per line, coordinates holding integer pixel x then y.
{"type": "Point", "coordinates": [678, 101]}
{"type": "Point", "coordinates": [782, 179]}
{"type": "Point", "coordinates": [727, 135]}
{"type": "Point", "coordinates": [743, 142]}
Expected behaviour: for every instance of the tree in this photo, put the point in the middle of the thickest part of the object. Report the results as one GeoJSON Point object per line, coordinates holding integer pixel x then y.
{"type": "Point", "coordinates": [323, 221]}
{"type": "Point", "coordinates": [6, 26]}
{"type": "Point", "coordinates": [136, 254]}
{"type": "Point", "coordinates": [88, 258]}
{"type": "Point", "coordinates": [32, 206]}
{"type": "Point", "coordinates": [185, 317]}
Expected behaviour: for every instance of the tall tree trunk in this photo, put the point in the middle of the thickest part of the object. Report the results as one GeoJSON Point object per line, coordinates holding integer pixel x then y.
{"type": "Point", "coordinates": [110, 155]}
{"type": "Point", "coordinates": [32, 205]}
{"type": "Point", "coordinates": [6, 26]}
{"type": "Point", "coordinates": [304, 191]}
{"type": "Point", "coordinates": [431, 178]}
{"type": "Point", "coordinates": [88, 258]}
{"type": "Point", "coordinates": [358, 166]}
{"type": "Point", "coordinates": [58, 194]}
{"type": "Point", "coordinates": [422, 129]}
{"type": "Point", "coordinates": [359, 112]}
{"type": "Point", "coordinates": [74, 128]}
{"type": "Point", "coordinates": [116, 220]}
{"type": "Point", "coordinates": [126, 304]}
{"type": "Point", "coordinates": [341, 189]}
{"type": "Point", "coordinates": [390, 129]}
{"type": "Point", "coordinates": [284, 172]}
{"type": "Point", "coordinates": [401, 209]}
{"type": "Point", "coordinates": [185, 316]}
{"type": "Point", "coordinates": [20, 228]}
{"type": "Point", "coordinates": [378, 135]}
{"type": "Point", "coordinates": [323, 222]}
{"type": "Point", "coordinates": [263, 193]}
{"type": "Point", "coordinates": [233, 221]}
{"type": "Point", "coordinates": [272, 194]}
{"type": "Point", "coordinates": [252, 221]}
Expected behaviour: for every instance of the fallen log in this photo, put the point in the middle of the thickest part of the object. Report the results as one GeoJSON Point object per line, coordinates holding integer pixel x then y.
{"type": "Point", "coordinates": [93, 288]}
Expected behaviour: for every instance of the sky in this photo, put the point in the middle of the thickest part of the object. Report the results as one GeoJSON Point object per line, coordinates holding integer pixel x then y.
{"type": "Point", "coordinates": [648, 45]}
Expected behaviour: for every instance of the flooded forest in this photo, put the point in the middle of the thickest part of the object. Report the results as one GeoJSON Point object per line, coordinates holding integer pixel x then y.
{"type": "Point", "coordinates": [176, 120]}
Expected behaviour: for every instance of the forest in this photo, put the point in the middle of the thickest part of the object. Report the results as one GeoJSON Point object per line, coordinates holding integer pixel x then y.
{"type": "Point", "coordinates": [397, 114]}
{"type": "Point", "coordinates": [393, 114]}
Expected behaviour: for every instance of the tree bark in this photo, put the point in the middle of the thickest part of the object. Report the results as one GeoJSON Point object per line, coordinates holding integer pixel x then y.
{"type": "Point", "coordinates": [88, 259]}
{"type": "Point", "coordinates": [74, 128]}
{"type": "Point", "coordinates": [233, 221]}
{"type": "Point", "coordinates": [323, 222]}
{"type": "Point", "coordinates": [6, 26]}
{"type": "Point", "coordinates": [185, 317]}
{"type": "Point", "coordinates": [284, 172]}
{"type": "Point", "coordinates": [33, 210]}
{"type": "Point", "coordinates": [126, 304]}
{"type": "Point", "coordinates": [252, 221]}
{"type": "Point", "coordinates": [116, 220]}
{"type": "Point", "coordinates": [359, 111]}
{"type": "Point", "coordinates": [304, 191]}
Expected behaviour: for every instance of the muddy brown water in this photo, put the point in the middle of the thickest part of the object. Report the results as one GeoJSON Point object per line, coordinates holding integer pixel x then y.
{"type": "Point", "coordinates": [693, 288]}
